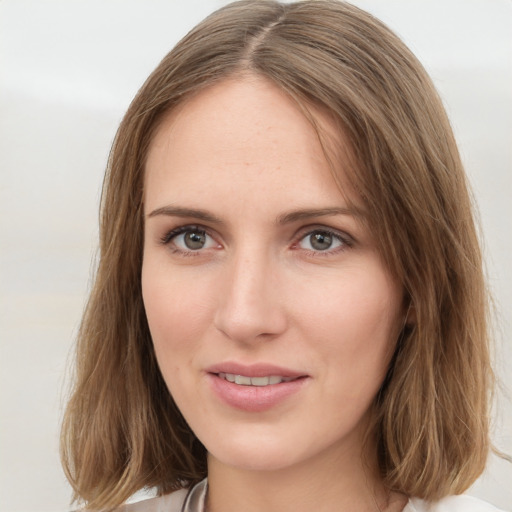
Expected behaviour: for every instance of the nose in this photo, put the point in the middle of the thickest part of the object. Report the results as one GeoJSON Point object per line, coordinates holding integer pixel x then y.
{"type": "Point", "coordinates": [250, 306]}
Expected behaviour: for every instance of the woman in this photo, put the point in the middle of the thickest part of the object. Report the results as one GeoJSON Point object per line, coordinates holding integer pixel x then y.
{"type": "Point", "coordinates": [289, 299]}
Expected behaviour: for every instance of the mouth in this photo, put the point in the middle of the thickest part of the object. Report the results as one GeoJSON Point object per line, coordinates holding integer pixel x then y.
{"type": "Point", "coordinates": [255, 387]}
{"type": "Point", "coordinates": [244, 380]}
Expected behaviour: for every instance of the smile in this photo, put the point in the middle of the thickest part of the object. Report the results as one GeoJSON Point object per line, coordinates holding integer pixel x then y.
{"type": "Point", "coordinates": [244, 380]}
{"type": "Point", "coordinates": [255, 393]}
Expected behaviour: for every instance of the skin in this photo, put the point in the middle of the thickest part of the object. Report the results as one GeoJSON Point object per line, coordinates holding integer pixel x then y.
{"type": "Point", "coordinates": [259, 290]}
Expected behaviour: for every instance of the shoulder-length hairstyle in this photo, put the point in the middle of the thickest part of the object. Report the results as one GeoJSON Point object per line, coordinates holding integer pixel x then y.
{"type": "Point", "coordinates": [122, 430]}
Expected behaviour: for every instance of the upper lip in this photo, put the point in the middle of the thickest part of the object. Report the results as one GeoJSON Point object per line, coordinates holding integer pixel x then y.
{"type": "Point", "coordinates": [254, 370]}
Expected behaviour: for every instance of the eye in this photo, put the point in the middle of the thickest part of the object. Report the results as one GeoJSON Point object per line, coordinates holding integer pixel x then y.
{"type": "Point", "coordinates": [189, 238]}
{"type": "Point", "coordinates": [321, 240]}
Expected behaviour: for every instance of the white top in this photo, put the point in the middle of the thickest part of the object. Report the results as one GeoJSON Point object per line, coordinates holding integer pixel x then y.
{"type": "Point", "coordinates": [460, 503]}
{"type": "Point", "coordinates": [193, 501]}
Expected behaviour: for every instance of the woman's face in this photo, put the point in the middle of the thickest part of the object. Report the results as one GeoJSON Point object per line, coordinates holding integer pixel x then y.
{"type": "Point", "coordinates": [272, 315]}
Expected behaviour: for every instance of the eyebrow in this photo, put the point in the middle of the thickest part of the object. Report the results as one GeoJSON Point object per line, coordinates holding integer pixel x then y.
{"type": "Point", "coordinates": [297, 215]}
{"type": "Point", "coordinates": [178, 211]}
{"type": "Point", "coordinates": [286, 218]}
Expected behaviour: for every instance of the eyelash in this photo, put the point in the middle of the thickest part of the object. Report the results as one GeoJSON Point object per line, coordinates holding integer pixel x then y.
{"type": "Point", "coordinates": [173, 233]}
{"type": "Point", "coordinates": [345, 240]}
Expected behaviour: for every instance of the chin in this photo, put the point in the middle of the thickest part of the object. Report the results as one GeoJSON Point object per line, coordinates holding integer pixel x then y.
{"type": "Point", "coordinates": [252, 455]}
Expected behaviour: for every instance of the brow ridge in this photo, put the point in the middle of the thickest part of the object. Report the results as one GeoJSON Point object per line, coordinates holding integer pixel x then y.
{"type": "Point", "coordinates": [286, 218]}
{"type": "Point", "coordinates": [308, 213]}
{"type": "Point", "coordinates": [179, 211]}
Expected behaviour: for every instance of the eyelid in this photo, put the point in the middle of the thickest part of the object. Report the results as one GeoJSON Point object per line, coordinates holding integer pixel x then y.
{"type": "Point", "coordinates": [346, 239]}
{"type": "Point", "coordinates": [169, 235]}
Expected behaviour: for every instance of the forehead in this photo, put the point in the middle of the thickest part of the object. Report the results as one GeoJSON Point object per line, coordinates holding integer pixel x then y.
{"type": "Point", "coordinates": [242, 135]}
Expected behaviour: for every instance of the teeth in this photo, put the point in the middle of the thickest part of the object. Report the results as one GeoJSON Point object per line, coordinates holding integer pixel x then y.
{"type": "Point", "coordinates": [241, 379]}
{"type": "Point", "coordinates": [262, 381]}
{"type": "Point", "coordinates": [254, 381]}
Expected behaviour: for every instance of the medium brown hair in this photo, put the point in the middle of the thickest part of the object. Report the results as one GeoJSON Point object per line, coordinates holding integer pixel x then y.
{"type": "Point", "coordinates": [122, 430]}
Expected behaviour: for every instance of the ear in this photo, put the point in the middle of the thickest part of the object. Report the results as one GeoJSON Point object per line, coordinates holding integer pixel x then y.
{"type": "Point", "coordinates": [410, 315]}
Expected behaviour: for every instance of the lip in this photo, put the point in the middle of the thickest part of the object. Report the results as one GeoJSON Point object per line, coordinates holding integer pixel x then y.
{"type": "Point", "coordinates": [254, 398]}
{"type": "Point", "coordinates": [254, 370]}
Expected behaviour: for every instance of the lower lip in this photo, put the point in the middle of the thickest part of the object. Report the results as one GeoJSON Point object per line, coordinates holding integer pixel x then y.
{"type": "Point", "coordinates": [254, 398]}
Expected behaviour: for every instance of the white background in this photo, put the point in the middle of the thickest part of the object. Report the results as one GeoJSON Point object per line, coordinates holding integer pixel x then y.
{"type": "Point", "coordinates": [68, 70]}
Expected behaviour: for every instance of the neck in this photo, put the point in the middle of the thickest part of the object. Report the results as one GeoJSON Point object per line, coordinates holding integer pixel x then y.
{"type": "Point", "coordinates": [324, 484]}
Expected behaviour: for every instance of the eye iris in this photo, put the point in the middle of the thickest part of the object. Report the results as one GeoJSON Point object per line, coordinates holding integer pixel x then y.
{"type": "Point", "coordinates": [321, 241]}
{"type": "Point", "coordinates": [194, 240]}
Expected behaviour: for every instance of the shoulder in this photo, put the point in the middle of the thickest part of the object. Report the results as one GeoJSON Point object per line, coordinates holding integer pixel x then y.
{"type": "Point", "coordinates": [460, 503]}
{"type": "Point", "coordinates": [168, 503]}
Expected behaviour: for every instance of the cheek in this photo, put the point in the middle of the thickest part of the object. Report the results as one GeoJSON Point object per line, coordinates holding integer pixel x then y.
{"type": "Point", "coordinates": [354, 321]}
{"type": "Point", "coordinates": [173, 298]}
{"type": "Point", "coordinates": [360, 301]}
{"type": "Point", "coordinates": [176, 315]}
{"type": "Point", "coordinates": [177, 309]}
